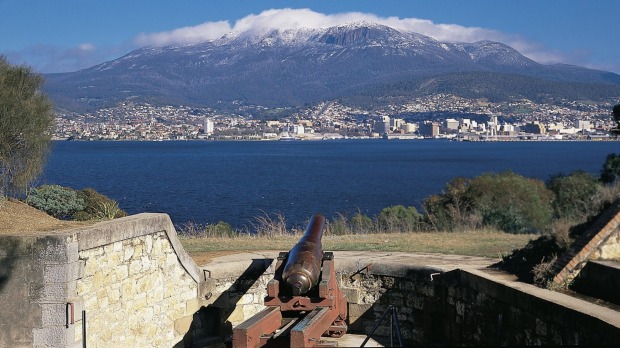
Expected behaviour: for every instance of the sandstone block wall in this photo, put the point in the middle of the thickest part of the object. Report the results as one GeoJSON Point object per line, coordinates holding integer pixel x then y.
{"type": "Point", "coordinates": [456, 307]}
{"type": "Point", "coordinates": [34, 287]}
{"type": "Point", "coordinates": [135, 293]}
{"type": "Point", "coordinates": [130, 276]}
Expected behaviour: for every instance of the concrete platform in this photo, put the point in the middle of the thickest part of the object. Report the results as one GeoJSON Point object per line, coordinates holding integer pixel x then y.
{"type": "Point", "coordinates": [351, 340]}
{"type": "Point", "coordinates": [391, 262]}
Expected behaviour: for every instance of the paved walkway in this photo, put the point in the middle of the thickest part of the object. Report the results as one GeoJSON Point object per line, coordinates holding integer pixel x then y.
{"type": "Point", "coordinates": [235, 264]}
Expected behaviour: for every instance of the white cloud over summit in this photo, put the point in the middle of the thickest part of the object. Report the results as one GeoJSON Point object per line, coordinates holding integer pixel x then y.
{"type": "Point", "coordinates": [305, 18]}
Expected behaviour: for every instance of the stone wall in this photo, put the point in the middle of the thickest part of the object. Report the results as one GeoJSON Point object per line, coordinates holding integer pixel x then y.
{"type": "Point", "coordinates": [436, 306]}
{"type": "Point", "coordinates": [484, 307]}
{"type": "Point", "coordinates": [136, 293]}
{"type": "Point", "coordinates": [34, 290]}
{"type": "Point", "coordinates": [130, 276]}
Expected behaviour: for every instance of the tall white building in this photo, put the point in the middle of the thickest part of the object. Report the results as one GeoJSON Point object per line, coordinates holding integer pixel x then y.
{"type": "Point", "coordinates": [299, 129]}
{"type": "Point", "coordinates": [582, 124]}
{"type": "Point", "coordinates": [208, 126]}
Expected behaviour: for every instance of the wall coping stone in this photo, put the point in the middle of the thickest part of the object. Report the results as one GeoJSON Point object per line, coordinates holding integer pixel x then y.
{"type": "Point", "coordinates": [111, 231]}
{"type": "Point", "coordinates": [607, 315]}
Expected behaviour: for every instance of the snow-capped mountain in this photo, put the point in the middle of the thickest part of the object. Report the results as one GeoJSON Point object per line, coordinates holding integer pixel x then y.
{"type": "Point", "coordinates": [297, 66]}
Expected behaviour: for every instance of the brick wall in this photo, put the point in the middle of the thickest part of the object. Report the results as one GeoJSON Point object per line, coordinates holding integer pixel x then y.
{"type": "Point", "coordinates": [599, 241]}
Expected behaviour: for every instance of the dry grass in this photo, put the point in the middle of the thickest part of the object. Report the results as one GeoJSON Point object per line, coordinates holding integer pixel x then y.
{"type": "Point", "coordinates": [19, 218]}
{"type": "Point", "coordinates": [475, 243]}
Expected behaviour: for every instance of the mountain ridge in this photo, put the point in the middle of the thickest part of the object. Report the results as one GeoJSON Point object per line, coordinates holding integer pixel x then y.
{"type": "Point", "coordinates": [304, 66]}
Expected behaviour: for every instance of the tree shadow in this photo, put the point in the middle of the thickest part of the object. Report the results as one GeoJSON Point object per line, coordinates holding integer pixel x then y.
{"type": "Point", "coordinates": [8, 258]}
{"type": "Point", "coordinates": [210, 324]}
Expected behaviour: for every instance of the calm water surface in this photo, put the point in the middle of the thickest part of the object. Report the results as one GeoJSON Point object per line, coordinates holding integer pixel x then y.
{"type": "Point", "coordinates": [206, 182]}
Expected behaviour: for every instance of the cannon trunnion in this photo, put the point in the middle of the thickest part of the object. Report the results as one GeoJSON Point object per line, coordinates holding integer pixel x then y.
{"type": "Point", "coordinates": [303, 301]}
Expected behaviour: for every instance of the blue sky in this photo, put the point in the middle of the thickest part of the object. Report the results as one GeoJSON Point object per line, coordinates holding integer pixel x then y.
{"type": "Point", "coordinates": [68, 35]}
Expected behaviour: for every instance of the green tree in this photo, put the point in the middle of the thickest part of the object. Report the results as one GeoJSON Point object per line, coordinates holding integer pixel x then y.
{"type": "Point", "coordinates": [452, 208]}
{"type": "Point", "coordinates": [611, 168]}
{"type": "Point", "coordinates": [511, 202]}
{"type": "Point", "coordinates": [26, 118]}
{"type": "Point", "coordinates": [507, 201]}
{"type": "Point", "coordinates": [574, 195]}
{"type": "Point", "coordinates": [361, 223]}
{"type": "Point", "coordinates": [221, 229]}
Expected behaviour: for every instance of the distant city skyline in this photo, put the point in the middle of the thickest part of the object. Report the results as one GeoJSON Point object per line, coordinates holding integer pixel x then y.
{"type": "Point", "coordinates": [68, 35]}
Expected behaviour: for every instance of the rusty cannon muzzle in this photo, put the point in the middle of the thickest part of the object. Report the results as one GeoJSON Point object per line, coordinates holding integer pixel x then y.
{"type": "Point", "coordinates": [303, 266]}
{"type": "Point", "coordinates": [303, 302]}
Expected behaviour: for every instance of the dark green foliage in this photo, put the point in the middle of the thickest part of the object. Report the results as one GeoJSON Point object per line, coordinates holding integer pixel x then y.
{"type": "Point", "coordinates": [221, 229]}
{"type": "Point", "coordinates": [361, 223]}
{"type": "Point", "coordinates": [451, 208]}
{"type": "Point", "coordinates": [97, 206]}
{"type": "Point", "coordinates": [338, 226]}
{"type": "Point", "coordinates": [26, 119]}
{"type": "Point", "coordinates": [574, 195]}
{"type": "Point", "coordinates": [67, 203]}
{"type": "Point", "coordinates": [399, 218]}
{"type": "Point", "coordinates": [611, 168]}
{"type": "Point", "coordinates": [511, 202]}
{"type": "Point", "coordinates": [59, 202]}
{"type": "Point", "coordinates": [507, 201]}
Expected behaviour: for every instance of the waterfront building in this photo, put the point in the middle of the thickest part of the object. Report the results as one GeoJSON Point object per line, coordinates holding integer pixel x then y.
{"type": "Point", "coordinates": [298, 129]}
{"type": "Point", "coordinates": [429, 129]}
{"type": "Point", "coordinates": [209, 126]}
{"type": "Point", "coordinates": [451, 124]}
{"type": "Point", "coordinates": [534, 128]}
{"type": "Point", "coordinates": [409, 127]}
{"type": "Point", "coordinates": [583, 124]}
{"type": "Point", "coordinates": [383, 126]}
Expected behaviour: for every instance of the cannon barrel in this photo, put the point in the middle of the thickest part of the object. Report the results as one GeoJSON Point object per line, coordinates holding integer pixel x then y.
{"type": "Point", "coordinates": [303, 266]}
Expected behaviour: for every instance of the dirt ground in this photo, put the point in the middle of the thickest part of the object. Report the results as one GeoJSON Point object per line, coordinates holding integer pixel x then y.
{"type": "Point", "coordinates": [19, 218]}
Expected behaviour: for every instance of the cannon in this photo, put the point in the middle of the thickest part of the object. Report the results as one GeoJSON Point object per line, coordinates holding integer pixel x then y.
{"type": "Point", "coordinates": [303, 264]}
{"type": "Point", "coordinates": [303, 302]}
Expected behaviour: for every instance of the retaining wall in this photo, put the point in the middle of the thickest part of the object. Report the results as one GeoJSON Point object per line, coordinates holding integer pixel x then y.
{"type": "Point", "coordinates": [435, 305]}
{"type": "Point", "coordinates": [130, 276]}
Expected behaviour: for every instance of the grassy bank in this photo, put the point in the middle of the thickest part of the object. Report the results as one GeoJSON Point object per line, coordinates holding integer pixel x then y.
{"type": "Point", "coordinates": [478, 243]}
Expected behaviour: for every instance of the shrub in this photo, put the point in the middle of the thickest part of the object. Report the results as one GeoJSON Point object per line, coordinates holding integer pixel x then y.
{"type": "Point", "coordinates": [59, 202]}
{"type": "Point", "coordinates": [399, 218]}
{"type": "Point", "coordinates": [452, 208]}
{"type": "Point", "coordinates": [338, 226]}
{"type": "Point", "coordinates": [574, 195]}
{"type": "Point", "coordinates": [97, 206]}
{"type": "Point", "coordinates": [361, 223]}
{"type": "Point", "coordinates": [611, 168]}
{"type": "Point", "coordinates": [221, 229]}
{"type": "Point", "coordinates": [507, 201]}
{"type": "Point", "coordinates": [511, 202]}
{"type": "Point", "coordinates": [266, 225]}
{"type": "Point", "coordinates": [26, 118]}
{"type": "Point", "coordinates": [534, 260]}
